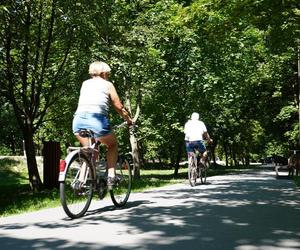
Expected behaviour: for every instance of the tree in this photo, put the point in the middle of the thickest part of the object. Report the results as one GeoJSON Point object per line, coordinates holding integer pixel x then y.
{"type": "Point", "coordinates": [38, 39]}
{"type": "Point", "coordinates": [10, 137]}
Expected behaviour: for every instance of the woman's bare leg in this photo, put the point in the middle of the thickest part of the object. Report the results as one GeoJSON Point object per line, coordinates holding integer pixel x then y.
{"type": "Point", "coordinates": [204, 156]}
{"type": "Point", "coordinates": [112, 152]}
{"type": "Point", "coordinates": [83, 141]}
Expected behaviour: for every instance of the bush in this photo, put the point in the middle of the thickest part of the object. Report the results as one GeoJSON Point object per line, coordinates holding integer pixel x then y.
{"type": "Point", "coordinates": [5, 150]}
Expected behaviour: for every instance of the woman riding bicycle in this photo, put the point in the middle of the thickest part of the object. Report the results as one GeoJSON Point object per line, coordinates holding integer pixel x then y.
{"type": "Point", "coordinates": [195, 131]}
{"type": "Point", "coordinates": [92, 112]}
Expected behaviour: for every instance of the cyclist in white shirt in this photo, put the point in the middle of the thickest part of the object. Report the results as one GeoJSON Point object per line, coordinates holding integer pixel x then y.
{"type": "Point", "coordinates": [195, 133]}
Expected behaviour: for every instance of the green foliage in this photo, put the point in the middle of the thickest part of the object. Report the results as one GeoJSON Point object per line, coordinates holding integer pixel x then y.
{"type": "Point", "coordinates": [10, 134]}
{"type": "Point", "coordinates": [297, 180]}
{"type": "Point", "coordinates": [276, 148]}
{"type": "Point", "coordinates": [286, 113]}
{"type": "Point", "coordinates": [234, 62]}
{"type": "Point", "coordinates": [5, 151]}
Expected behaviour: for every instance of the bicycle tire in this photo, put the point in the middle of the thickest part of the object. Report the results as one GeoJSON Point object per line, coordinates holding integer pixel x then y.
{"type": "Point", "coordinates": [76, 197]}
{"type": "Point", "coordinates": [192, 171]}
{"type": "Point", "coordinates": [121, 191]}
{"type": "Point", "coordinates": [202, 173]}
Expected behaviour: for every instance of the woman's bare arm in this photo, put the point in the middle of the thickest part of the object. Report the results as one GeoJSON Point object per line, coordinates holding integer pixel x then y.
{"type": "Point", "coordinates": [117, 104]}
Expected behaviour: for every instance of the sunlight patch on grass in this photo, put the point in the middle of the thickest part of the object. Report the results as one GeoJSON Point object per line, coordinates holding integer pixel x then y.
{"type": "Point", "coordinates": [12, 172]}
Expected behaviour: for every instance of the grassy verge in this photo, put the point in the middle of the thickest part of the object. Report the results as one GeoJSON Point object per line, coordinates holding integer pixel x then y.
{"type": "Point", "coordinates": [16, 196]}
{"type": "Point", "coordinates": [297, 180]}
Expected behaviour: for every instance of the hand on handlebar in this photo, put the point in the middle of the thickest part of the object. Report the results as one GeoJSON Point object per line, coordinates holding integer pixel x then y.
{"type": "Point", "coordinates": [130, 122]}
{"type": "Point", "coordinates": [210, 141]}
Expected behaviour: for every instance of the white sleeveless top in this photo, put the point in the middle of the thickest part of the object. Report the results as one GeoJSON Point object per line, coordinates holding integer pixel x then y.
{"type": "Point", "coordinates": [194, 130]}
{"type": "Point", "coordinates": [94, 96]}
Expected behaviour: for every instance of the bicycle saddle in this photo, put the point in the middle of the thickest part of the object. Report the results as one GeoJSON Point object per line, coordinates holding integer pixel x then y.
{"type": "Point", "coordinates": [196, 149]}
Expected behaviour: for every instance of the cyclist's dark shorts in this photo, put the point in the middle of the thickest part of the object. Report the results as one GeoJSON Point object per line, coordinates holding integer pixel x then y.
{"type": "Point", "coordinates": [190, 145]}
{"type": "Point", "coordinates": [98, 123]}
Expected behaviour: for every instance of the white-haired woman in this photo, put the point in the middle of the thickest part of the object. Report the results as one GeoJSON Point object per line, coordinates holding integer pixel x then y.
{"type": "Point", "coordinates": [92, 112]}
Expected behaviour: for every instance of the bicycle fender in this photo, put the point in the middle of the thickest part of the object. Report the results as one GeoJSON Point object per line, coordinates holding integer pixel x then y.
{"type": "Point", "coordinates": [62, 175]}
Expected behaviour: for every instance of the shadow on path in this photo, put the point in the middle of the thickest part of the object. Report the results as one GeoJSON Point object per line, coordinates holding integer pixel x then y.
{"type": "Point", "coordinates": [245, 211]}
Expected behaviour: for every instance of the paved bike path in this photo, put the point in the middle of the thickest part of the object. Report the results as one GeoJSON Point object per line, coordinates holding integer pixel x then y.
{"type": "Point", "coordinates": [248, 211]}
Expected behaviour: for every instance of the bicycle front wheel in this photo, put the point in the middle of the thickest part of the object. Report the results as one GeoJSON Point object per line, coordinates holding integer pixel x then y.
{"type": "Point", "coordinates": [192, 171]}
{"type": "Point", "coordinates": [76, 191]}
{"type": "Point", "coordinates": [121, 191]}
{"type": "Point", "coordinates": [202, 170]}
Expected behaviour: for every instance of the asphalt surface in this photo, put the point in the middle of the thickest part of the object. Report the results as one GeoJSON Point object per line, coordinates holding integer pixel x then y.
{"type": "Point", "coordinates": [249, 211]}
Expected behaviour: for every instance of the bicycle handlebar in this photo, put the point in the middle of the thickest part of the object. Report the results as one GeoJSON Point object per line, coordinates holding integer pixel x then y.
{"type": "Point", "coordinates": [124, 124]}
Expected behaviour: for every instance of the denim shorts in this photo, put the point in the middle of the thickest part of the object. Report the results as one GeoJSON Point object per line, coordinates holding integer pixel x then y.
{"type": "Point", "coordinates": [98, 123]}
{"type": "Point", "coordinates": [190, 145]}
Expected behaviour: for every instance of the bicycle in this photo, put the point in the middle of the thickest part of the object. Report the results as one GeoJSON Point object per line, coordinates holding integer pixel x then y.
{"type": "Point", "coordinates": [80, 176]}
{"type": "Point", "coordinates": [197, 168]}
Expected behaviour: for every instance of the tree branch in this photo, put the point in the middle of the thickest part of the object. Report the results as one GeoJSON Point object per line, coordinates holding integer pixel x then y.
{"type": "Point", "coordinates": [25, 60]}
{"type": "Point", "coordinates": [45, 57]}
{"type": "Point", "coordinates": [9, 75]}
{"type": "Point", "coordinates": [37, 56]}
{"type": "Point", "coordinates": [42, 114]}
{"type": "Point", "coordinates": [52, 88]}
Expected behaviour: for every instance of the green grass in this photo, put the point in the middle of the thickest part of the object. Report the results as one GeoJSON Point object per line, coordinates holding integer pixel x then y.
{"type": "Point", "coordinates": [16, 196]}
{"type": "Point", "coordinates": [12, 172]}
{"type": "Point", "coordinates": [297, 180]}
{"type": "Point", "coordinates": [152, 178]}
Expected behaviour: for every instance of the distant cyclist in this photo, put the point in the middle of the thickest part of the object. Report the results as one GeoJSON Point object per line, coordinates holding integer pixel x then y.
{"type": "Point", "coordinates": [195, 133]}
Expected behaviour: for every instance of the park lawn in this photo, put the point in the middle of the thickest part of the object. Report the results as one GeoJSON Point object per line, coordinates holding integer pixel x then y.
{"type": "Point", "coordinates": [16, 196]}
{"type": "Point", "coordinates": [297, 180]}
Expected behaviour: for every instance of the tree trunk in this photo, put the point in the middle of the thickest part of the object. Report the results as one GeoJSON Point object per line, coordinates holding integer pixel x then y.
{"type": "Point", "coordinates": [231, 156]}
{"type": "Point", "coordinates": [179, 155]}
{"type": "Point", "coordinates": [298, 79]}
{"type": "Point", "coordinates": [13, 145]}
{"type": "Point", "coordinates": [247, 159]}
{"type": "Point", "coordinates": [226, 154]}
{"type": "Point", "coordinates": [213, 154]}
{"type": "Point", "coordinates": [243, 161]}
{"type": "Point", "coordinates": [234, 156]}
{"type": "Point", "coordinates": [34, 177]}
{"type": "Point", "coordinates": [135, 155]}
{"type": "Point", "coordinates": [132, 138]}
{"type": "Point", "coordinates": [235, 161]}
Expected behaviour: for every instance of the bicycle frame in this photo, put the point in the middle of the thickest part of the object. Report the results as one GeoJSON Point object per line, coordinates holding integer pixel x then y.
{"type": "Point", "coordinates": [65, 163]}
{"type": "Point", "coordinates": [196, 168]}
{"type": "Point", "coordinates": [196, 154]}
{"type": "Point", "coordinates": [80, 176]}
{"type": "Point", "coordinates": [78, 150]}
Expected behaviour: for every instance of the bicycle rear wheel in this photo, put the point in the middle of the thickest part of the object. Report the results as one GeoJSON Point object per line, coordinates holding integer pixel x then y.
{"type": "Point", "coordinates": [121, 191]}
{"type": "Point", "coordinates": [192, 171]}
{"type": "Point", "coordinates": [202, 173]}
{"type": "Point", "coordinates": [76, 191]}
